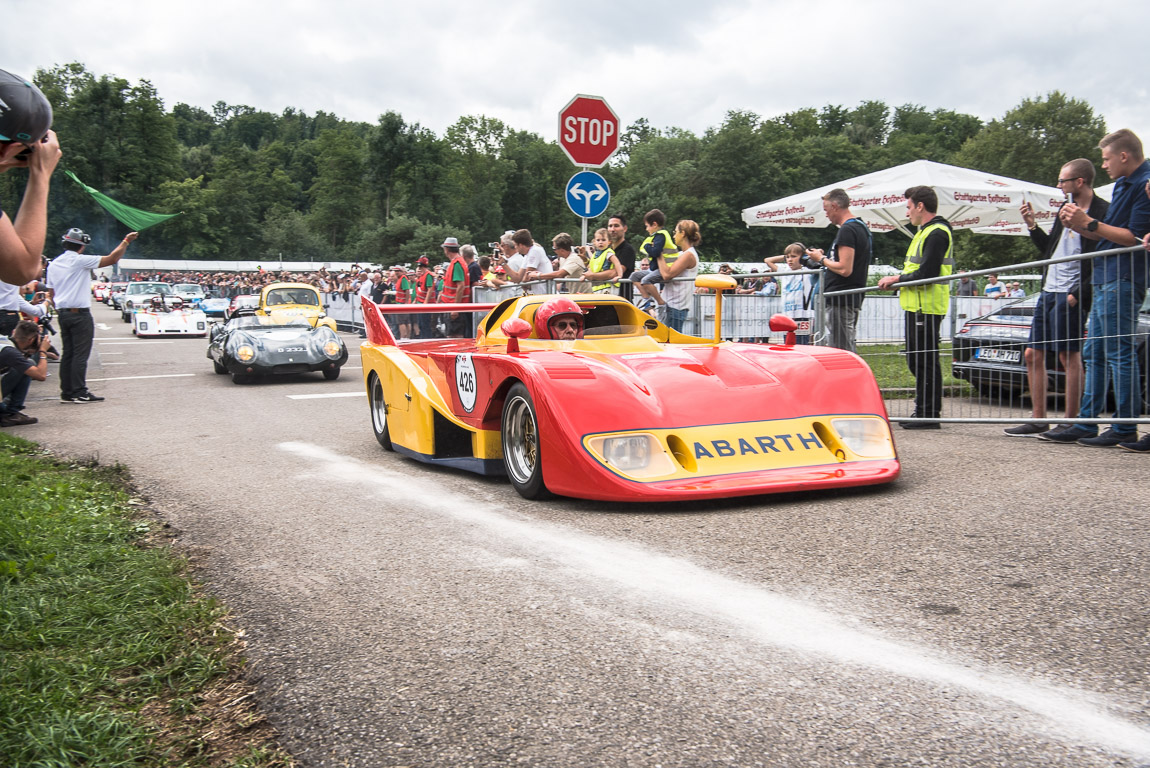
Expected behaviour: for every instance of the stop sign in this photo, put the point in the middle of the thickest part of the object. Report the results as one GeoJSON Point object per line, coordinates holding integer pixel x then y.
{"type": "Point", "coordinates": [588, 131]}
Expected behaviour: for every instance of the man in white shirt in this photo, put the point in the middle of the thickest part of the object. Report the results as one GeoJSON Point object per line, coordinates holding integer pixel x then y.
{"type": "Point", "coordinates": [993, 289]}
{"type": "Point", "coordinates": [534, 258]}
{"type": "Point", "coordinates": [366, 286]}
{"type": "Point", "coordinates": [70, 278]}
{"type": "Point", "coordinates": [12, 303]}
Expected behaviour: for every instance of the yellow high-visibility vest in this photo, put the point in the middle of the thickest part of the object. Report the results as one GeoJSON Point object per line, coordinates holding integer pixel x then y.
{"type": "Point", "coordinates": [929, 299]}
{"type": "Point", "coordinates": [670, 250]}
{"type": "Point", "coordinates": [598, 263]}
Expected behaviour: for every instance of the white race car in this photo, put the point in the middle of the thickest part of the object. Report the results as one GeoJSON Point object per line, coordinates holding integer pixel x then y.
{"type": "Point", "coordinates": [168, 316]}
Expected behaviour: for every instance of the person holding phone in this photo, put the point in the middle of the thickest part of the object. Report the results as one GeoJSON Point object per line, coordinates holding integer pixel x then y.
{"type": "Point", "coordinates": [1118, 287]}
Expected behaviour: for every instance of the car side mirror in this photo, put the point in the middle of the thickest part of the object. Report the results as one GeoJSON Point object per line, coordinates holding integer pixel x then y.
{"type": "Point", "coordinates": [515, 329]}
{"type": "Point", "coordinates": [782, 324]}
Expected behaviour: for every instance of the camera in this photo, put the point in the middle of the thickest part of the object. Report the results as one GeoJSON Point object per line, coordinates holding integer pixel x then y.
{"type": "Point", "coordinates": [25, 154]}
{"type": "Point", "coordinates": [493, 245]}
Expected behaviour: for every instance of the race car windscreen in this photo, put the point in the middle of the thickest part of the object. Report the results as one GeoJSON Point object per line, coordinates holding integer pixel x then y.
{"type": "Point", "coordinates": [606, 321]}
{"type": "Point", "coordinates": [292, 296]}
{"type": "Point", "coordinates": [136, 289]}
{"type": "Point", "coordinates": [258, 321]}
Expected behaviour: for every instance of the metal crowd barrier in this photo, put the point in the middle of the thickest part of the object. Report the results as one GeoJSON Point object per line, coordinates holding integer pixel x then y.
{"type": "Point", "coordinates": [983, 355]}
{"type": "Point", "coordinates": [985, 337]}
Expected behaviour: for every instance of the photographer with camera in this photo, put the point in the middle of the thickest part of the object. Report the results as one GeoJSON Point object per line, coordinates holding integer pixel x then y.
{"type": "Point", "coordinates": [22, 359]}
{"type": "Point", "coordinates": [25, 142]}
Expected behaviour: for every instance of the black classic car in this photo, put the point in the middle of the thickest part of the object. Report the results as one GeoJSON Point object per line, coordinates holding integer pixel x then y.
{"type": "Point", "coordinates": [249, 346]}
{"type": "Point", "coordinates": [989, 352]}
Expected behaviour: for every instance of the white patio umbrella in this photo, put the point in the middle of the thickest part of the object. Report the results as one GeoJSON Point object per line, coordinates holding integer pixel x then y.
{"type": "Point", "coordinates": [967, 199]}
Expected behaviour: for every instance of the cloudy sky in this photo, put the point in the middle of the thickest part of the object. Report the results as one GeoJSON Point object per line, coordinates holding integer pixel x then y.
{"type": "Point", "coordinates": [676, 63]}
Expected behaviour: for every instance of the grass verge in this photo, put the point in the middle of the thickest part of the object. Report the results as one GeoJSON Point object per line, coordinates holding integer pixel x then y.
{"type": "Point", "coordinates": [888, 363]}
{"type": "Point", "coordinates": [109, 655]}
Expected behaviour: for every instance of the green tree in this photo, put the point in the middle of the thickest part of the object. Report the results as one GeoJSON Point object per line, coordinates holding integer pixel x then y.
{"type": "Point", "coordinates": [1035, 139]}
{"type": "Point", "coordinates": [1031, 142]}
{"type": "Point", "coordinates": [477, 173]}
{"type": "Point", "coordinates": [339, 193]}
{"type": "Point", "coordinates": [195, 233]}
{"type": "Point", "coordinates": [389, 147]}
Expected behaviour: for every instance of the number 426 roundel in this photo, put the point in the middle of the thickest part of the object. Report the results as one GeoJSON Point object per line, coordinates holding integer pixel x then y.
{"type": "Point", "coordinates": [465, 381]}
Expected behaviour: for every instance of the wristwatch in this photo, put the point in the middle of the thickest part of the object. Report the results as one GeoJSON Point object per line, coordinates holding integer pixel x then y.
{"type": "Point", "coordinates": [1092, 226]}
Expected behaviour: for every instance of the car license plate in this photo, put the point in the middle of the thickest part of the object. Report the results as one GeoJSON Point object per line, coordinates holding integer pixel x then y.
{"type": "Point", "coordinates": [997, 355]}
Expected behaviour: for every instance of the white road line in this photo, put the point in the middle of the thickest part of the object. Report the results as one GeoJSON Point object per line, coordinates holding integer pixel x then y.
{"type": "Point", "coordinates": [763, 617]}
{"type": "Point", "coordinates": [102, 354]}
{"type": "Point", "coordinates": [116, 363]}
{"type": "Point", "coordinates": [331, 394]}
{"type": "Point", "coordinates": [162, 376]}
{"type": "Point", "coordinates": [141, 341]}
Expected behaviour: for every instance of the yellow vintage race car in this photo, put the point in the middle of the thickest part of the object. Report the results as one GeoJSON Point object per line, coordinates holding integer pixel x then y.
{"type": "Point", "coordinates": [627, 409]}
{"type": "Point", "coordinates": [283, 302]}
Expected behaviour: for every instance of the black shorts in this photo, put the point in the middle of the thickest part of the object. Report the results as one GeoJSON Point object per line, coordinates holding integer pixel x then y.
{"type": "Point", "coordinates": [1057, 326]}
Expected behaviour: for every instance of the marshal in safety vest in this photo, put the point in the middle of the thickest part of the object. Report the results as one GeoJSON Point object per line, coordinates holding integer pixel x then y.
{"type": "Point", "coordinates": [928, 299]}
{"type": "Point", "coordinates": [670, 250]}
{"type": "Point", "coordinates": [456, 291]}
{"type": "Point", "coordinates": [403, 291]}
{"type": "Point", "coordinates": [424, 287]}
{"type": "Point", "coordinates": [598, 263]}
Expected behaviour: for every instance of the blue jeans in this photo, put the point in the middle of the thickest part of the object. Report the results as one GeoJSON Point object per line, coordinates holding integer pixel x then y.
{"type": "Point", "coordinates": [14, 386]}
{"type": "Point", "coordinates": [1110, 347]}
{"type": "Point", "coordinates": [676, 318]}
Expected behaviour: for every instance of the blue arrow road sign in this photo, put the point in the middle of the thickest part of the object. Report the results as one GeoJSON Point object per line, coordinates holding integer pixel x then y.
{"type": "Point", "coordinates": [588, 194]}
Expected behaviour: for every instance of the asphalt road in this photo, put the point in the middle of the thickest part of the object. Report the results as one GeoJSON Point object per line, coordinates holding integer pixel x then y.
{"type": "Point", "coordinates": [988, 609]}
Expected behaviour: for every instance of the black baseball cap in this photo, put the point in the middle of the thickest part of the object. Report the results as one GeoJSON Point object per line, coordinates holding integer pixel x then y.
{"type": "Point", "coordinates": [25, 114]}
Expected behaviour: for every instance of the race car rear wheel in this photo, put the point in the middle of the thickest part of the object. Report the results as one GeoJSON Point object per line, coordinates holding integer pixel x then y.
{"type": "Point", "coordinates": [520, 433]}
{"type": "Point", "coordinates": [378, 412]}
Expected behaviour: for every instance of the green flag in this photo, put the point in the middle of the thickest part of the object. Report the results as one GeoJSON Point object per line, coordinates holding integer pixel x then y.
{"type": "Point", "coordinates": [132, 217]}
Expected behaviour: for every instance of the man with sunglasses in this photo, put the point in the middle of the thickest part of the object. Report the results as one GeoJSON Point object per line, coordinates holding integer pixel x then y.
{"type": "Point", "coordinates": [1060, 315]}
{"type": "Point", "coordinates": [560, 319]}
{"type": "Point", "coordinates": [25, 142]}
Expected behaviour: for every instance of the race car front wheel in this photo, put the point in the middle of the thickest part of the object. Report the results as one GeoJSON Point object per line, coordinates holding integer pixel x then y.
{"type": "Point", "coordinates": [378, 412]}
{"type": "Point", "coordinates": [521, 457]}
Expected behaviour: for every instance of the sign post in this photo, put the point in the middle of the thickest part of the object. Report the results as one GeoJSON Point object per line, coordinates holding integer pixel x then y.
{"type": "Point", "coordinates": [589, 136]}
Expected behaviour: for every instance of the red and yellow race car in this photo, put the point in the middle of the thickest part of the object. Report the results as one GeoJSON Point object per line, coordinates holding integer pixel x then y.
{"type": "Point", "coordinates": [585, 395]}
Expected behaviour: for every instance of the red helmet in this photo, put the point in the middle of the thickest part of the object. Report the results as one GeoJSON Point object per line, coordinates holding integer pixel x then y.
{"type": "Point", "coordinates": [553, 309]}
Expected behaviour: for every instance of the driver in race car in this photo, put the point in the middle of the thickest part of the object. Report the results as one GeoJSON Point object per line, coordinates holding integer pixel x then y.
{"type": "Point", "coordinates": [560, 319]}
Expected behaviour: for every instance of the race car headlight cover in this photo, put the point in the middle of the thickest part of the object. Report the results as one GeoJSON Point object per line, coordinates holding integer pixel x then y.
{"type": "Point", "coordinates": [244, 349]}
{"type": "Point", "coordinates": [638, 455]}
{"type": "Point", "coordinates": [867, 437]}
{"type": "Point", "coordinates": [330, 345]}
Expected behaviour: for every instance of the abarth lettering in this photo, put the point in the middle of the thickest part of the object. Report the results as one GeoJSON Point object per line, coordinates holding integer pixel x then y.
{"type": "Point", "coordinates": [766, 444]}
